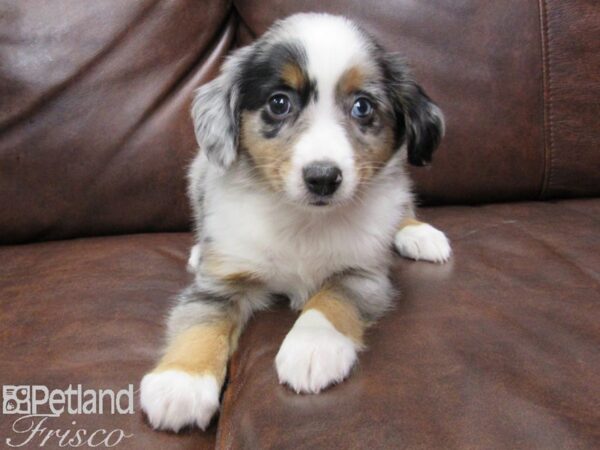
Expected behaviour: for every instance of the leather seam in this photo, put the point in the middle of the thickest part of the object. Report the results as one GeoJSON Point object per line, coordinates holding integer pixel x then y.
{"type": "Point", "coordinates": [548, 110]}
{"type": "Point", "coordinates": [224, 438]}
{"type": "Point", "coordinates": [242, 23]}
{"type": "Point", "coordinates": [187, 73]}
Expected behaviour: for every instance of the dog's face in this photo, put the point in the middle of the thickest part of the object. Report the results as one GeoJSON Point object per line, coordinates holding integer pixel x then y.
{"type": "Point", "coordinates": [317, 108]}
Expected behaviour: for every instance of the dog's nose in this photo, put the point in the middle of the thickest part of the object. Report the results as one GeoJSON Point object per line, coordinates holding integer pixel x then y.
{"type": "Point", "coordinates": [322, 178]}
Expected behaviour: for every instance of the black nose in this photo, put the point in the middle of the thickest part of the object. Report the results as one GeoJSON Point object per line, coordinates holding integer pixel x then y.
{"type": "Point", "coordinates": [322, 178]}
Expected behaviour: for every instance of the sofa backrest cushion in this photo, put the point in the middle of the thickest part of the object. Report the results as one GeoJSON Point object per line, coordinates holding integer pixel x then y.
{"type": "Point", "coordinates": [95, 125]}
{"type": "Point", "coordinates": [518, 82]}
{"type": "Point", "coordinates": [95, 132]}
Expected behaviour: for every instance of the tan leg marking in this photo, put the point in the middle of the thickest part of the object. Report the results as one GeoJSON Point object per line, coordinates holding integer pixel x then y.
{"type": "Point", "coordinates": [409, 221]}
{"type": "Point", "coordinates": [217, 267]}
{"type": "Point", "coordinates": [342, 314]}
{"type": "Point", "coordinates": [201, 349]}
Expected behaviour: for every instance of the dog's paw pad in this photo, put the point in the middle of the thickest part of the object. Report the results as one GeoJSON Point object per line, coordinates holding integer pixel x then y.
{"type": "Point", "coordinates": [314, 354]}
{"type": "Point", "coordinates": [423, 242]}
{"type": "Point", "coordinates": [174, 399]}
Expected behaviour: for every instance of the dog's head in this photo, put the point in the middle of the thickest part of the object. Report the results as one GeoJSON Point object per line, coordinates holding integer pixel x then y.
{"type": "Point", "coordinates": [317, 108]}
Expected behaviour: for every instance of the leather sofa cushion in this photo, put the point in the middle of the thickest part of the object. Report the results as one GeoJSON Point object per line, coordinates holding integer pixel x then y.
{"type": "Point", "coordinates": [572, 97]}
{"type": "Point", "coordinates": [496, 349]}
{"type": "Point", "coordinates": [95, 128]}
{"type": "Point", "coordinates": [91, 312]}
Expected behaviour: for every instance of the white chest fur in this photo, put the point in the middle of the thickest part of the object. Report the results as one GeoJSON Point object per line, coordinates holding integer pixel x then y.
{"type": "Point", "coordinates": [294, 250]}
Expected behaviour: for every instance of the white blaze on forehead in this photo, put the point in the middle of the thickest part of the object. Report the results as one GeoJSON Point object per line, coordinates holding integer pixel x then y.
{"type": "Point", "coordinates": [332, 44]}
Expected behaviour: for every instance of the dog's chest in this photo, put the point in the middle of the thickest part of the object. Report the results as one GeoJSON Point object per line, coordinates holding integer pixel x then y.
{"type": "Point", "coordinates": [295, 254]}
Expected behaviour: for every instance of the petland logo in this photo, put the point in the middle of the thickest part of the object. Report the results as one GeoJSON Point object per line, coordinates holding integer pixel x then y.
{"type": "Point", "coordinates": [36, 406]}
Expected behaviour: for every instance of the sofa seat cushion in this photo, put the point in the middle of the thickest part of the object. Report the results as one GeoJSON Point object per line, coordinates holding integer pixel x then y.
{"type": "Point", "coordinates": [499, 348]}
{"type": "Point", "coordinates": [496, 349]}
{"type": "Point", "coordinates": [90, 312]}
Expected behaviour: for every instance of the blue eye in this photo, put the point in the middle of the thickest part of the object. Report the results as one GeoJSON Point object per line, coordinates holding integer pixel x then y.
{"type": "Point", "coordinates": [362, 109]}
{"type": "Point", "coordinates": [279, 106]}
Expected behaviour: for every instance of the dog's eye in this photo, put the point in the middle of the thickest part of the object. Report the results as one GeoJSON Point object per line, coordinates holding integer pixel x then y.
{"type": "Point", "coordinates": [362, 109]}
{"type": "Point", "coordinates": [279, 106]}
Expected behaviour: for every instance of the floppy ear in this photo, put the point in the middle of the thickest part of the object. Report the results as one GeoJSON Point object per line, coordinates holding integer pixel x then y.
{"type": "Point", "coordinates": [416, 115]}
{"type": "Point", "coordinates": [424, 123]}
{"type": "Point", "coordinates": [215, 113]}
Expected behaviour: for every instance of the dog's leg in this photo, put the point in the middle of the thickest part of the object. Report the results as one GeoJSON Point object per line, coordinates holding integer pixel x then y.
{"type": "Point", "coordinates": [183, 389]}
{"type": "Point", "coordinates": [322, 346]}
{"type": "Point", "coordinates": [420, 241]}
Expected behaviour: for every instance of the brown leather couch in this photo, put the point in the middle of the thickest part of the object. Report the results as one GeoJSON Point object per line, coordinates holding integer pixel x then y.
{"type": "Point", "coordinates": [499, 348]}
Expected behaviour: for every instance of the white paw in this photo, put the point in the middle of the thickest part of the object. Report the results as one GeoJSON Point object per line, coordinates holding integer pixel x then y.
{"type": "Point", "coordinates": [194, 259]}
{"type": "Point", "coordinates": [314, 354]}
{"type": "Point", "coordinates": [174, 399]}
{"type": "Point", "coordinates": [423, 242]}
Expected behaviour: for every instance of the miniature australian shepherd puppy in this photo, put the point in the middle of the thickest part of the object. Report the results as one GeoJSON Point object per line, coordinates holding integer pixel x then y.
{"type": "Point", "coordinates": [300, 188]}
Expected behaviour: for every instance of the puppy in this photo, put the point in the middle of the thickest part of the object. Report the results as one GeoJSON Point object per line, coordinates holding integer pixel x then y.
{"type": "Point", "coordinates": [300, 188]}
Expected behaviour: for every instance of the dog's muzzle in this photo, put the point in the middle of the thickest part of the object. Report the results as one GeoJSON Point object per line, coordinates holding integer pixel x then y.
{"type": "Point", "coordinates": [322, 178]}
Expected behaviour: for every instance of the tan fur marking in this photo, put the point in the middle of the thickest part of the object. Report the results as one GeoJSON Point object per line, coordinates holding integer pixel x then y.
{"type": "Point", "coordinates": [242, 278]}
{"type": "Point", "coordinates": [343, 315]}
{"type": "Point", "coordinates": [372, 155]}
{"type": "Point", "coordinates": [371, 151]}
{"type": "Point", "coordinates": [200, 349]}
{"type": "Point", "coordinates": [271, 156]}
{"type": "Point", "coordinates": [215, 266]}
{"type": "Point", "coordinates": [294, 77]}
{"type": "Point", "coordinates": [409, 221]}
{"type": "Point", "coordinates": [351, 81]}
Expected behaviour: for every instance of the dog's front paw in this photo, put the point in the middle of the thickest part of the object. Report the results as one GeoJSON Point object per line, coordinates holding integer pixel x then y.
{"type": "Point", "coordinates": [423, 242]}
{"type": "Point", "coordinates": [174, 399]}
{"type": "Point", "coordinates": [314, 354]}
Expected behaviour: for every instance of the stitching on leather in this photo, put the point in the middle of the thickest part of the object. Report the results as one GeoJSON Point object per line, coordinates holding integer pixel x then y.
{"type": "Point", "coordinates": [196, 65]}
{"type": "Point", "coordinates": [548, 131]}
{"type": "Point", "coordinates": [224, 439]}
{"type": "Point", "coordinates": [242, 23]}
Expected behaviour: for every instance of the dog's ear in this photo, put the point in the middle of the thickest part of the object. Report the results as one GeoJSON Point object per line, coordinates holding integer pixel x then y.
{"type": "Point", "coordinates": [215, 113]}
{"type": "Point", "coordinates": [418, 118]}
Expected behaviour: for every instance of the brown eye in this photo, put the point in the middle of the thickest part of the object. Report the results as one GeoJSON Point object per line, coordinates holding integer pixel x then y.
{"type": "Point", "coordinates": [362, 109]}
{"type": "Point", "coordinates": [279, 106]}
